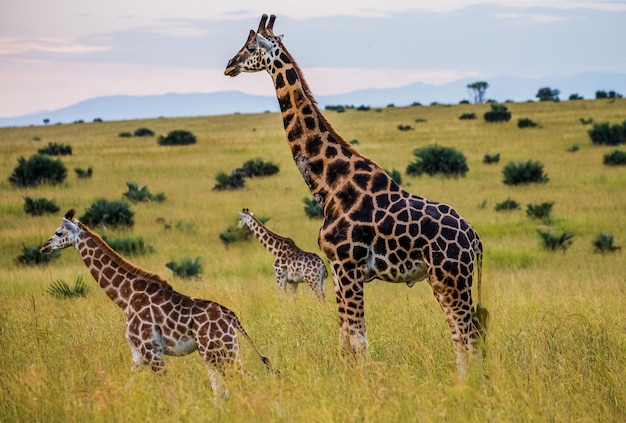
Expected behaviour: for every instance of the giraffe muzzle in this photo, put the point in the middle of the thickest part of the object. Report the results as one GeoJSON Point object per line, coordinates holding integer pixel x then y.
{"type": "Point", "coordinates": [232, 69]}
{"type": "Point", "coordinates": [45, 248]}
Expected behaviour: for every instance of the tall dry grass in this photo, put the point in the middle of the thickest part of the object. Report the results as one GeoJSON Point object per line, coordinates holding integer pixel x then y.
{"type": "Point", "coordinates": [557, 336]}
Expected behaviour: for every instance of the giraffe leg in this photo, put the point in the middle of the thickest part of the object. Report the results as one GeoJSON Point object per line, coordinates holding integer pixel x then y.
{"type": "Point", "coordinates": [281, 278]}
{"type": "Point", "coordinates": [316, 286]}
{"type": "Point", "coordinates": [293, 287]}
{"type": "Point", "coordinates": [350, 305]}
{"type": "Point", "coordinates": [458, 315]}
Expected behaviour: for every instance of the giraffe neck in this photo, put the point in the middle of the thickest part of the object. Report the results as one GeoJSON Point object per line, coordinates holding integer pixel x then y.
{"type": "Point", "coordinates": [273, 242]}
{"type": "Point", "coordinates": [322, 156]}
{"type": "Point", "coordinates": [116, 276]}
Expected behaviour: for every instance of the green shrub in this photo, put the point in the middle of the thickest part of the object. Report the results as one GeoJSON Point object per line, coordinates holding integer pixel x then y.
{"type": "Point", "coordinates": [467, 116]}
{"type": "Point", "coordinates": [177, 137]}
{"type": "Point", "coordinates": [586, 121]}
{"type": "Point", "coordinates": [258, 167]}
{"type": "Point", "coordinates": [420, 120]}
{"type": "Point", "coordinates": [615, 158]}
{"type": "Point", "coordinates": [574, 148]}
{"type": "Point", "coordinates": [607, 134]}
{"type": "Point", "coordinates": [186, 267]}
{"type": "Point", "coordinates": [235, 234]}
{"type": "Point", "coordinates": [39, 206]}
{"type": "Point", "coordinates": [108, 213]}
{"type": "Point", "coordinates": [436, 159]}
{"type": "Point", "coordinates": [31, 256]}
{"type": "Point", "coordinates": [524, 173]}
{"type": "Point", "coordinates": [129, 246]}
{"type": "Point", "coordinates": [235, 180]}
{"type": "Point", "coordinates": [552, 241]}
{"type": "Point", "coordinates": [39, 168]}
{"type": "Point", "coordinates": [135, 194]}
{"type": "Point", "coordinates": [395, 175]}
{"type": "Point", "coordinates": [491, 158]}
{"type": "Point", "coordinates": [353, 142]}
{"type": "Point", "coordinates": [124, 135]}
{"type": "Point", "coordinates": [82, 173]}
{"type": "Point", "coordinates": [405, 127]}
{"type": "Point", "coordinates": [498, 113]}
{"type": "Point", "coordinates": [604, 244]}
{"type": "Point", "coordinates": [540, 211]}
{"type": "Point", "coordinates": [507, 204]}
{"type": "Point", "coordinates": [143, 132]}
{"type": "Point", "coordinates": [60, 289]}
{"type": "Point", "coordinates": [312, 208]}
{"type": "Point", "coordinates": [525, 123]}
{"type": "Point", "coordinates": [54, 149]}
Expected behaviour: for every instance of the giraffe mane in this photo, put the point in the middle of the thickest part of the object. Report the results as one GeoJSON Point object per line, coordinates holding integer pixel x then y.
{"type": "Point", "coordinates": [121, 261]}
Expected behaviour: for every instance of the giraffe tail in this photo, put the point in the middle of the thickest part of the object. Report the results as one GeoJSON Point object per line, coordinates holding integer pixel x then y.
{"type": "Point", "coordinates": [264, 359]}
{"type": "Point", "coordinates": [481, 316]}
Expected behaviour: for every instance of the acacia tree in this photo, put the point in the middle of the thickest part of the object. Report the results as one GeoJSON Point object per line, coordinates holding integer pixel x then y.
{"type": "Point", "coordinates": [548, 94]}
{"type": "Point", "coordinates": [478, 90]}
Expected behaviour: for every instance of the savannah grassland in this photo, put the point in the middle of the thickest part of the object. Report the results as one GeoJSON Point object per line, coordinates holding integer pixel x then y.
{"type": "Point", "coordinates": [557, 336]}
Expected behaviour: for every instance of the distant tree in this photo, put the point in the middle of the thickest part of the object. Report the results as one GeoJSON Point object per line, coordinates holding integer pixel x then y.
{"type": "Point", "coordinates": [548, 94]}
{"type": "Point", "coordinates": [46, 121]}
{"type": "Point", "coordinates": [575, 97]}
{"type": "Point", "coordinates": [498, 113]}
{"type": "Point", "coordinates": [478, 90]}
{"type": "Point", "coordinates": [600, 94]}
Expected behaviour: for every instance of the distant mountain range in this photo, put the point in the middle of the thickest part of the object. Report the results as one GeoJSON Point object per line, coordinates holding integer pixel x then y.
{"type": "Point", "coordinates": [502, 88]}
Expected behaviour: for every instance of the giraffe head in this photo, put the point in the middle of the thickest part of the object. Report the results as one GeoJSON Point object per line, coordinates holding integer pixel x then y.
{"type": "Point", "coordinates": [245, 216]}
{"type": "Point", "coordinates": [256, 54]}
{"type": "Point", "coordinates": [65, 235]}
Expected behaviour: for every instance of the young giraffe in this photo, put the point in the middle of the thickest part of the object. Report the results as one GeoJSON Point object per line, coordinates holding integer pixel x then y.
{"type": "Point", "coordinates": [159, 320]}
{"type": "Point", "coordinates": [292, 265]}
{"type": "Point", "coordinates": [372, 228]}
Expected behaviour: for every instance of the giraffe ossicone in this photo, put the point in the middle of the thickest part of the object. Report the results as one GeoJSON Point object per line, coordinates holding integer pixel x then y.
{"type": "Point", "coordinates": [292, 265]}
{"type": "Point", "coordinates": [373, 229]}
{"type": "Point", "coordinates": [159, 320]}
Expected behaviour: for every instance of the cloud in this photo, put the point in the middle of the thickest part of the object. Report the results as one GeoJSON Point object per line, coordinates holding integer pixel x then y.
{"type": "Point", "coordinates": [17, 46]}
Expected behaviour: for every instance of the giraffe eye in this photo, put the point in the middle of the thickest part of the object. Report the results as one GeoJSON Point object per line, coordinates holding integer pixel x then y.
{"type": "Point", "coordinates": [58, 233]}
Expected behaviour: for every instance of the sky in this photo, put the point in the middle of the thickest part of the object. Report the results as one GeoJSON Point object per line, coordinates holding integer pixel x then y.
{"type": "Point", "coordinates": [59, 52]}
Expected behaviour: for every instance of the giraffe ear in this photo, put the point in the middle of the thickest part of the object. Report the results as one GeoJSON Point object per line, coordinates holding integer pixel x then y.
{"type": "Point", "coordinates": [263, 42]}
{"type": "Point", "coordinates": [70, 226]}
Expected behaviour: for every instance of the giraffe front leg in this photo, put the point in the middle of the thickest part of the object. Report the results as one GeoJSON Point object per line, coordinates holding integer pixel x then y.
{"type": "Point", "coordinates": [350, 308]}
{"type": "Point", "coordinates": [281, 278]}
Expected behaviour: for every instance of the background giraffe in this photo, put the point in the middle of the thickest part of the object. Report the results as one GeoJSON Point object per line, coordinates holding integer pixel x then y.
{"type": "Point", "coordinates": [372, 228]}
{"type": "Point", "coordinates": [159, 320]}
{"type": "Point", "coordinates": [292, 265]}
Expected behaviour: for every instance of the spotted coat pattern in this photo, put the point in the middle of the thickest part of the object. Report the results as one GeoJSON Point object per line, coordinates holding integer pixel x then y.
{"type": "Point", "coordinates": [291, 264]}
{"type": "Point", "coordinates": [159, 320]}
{"type": "Point", "coordinates": [373, 229]}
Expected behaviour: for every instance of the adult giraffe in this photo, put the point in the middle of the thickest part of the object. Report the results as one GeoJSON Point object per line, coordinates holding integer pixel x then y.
{"type": "Point", "coordinates": [372, 228]}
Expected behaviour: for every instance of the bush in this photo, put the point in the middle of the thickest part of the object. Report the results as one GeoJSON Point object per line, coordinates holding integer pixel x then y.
{"type": "Point", "coordinates": [603, 244]}
{"type": "Point", "coordinates": [54, 149]}
{"type": "Point", "coordinates": [39, 206]}
{"type": "Point", "coordinates": [606, 134]}
{"type": "Point", "coordinates": [525, 123]}
{"type": "Point", "coordinates": [82, 173]}
{"type": "Point", "coordinates": [130, 246]}
{"type": "Point", "coordinates": [436, 159]}
{"type": "Point", "coordinates": [507, 204]}
{"type": "Point", "coordinates": [143, 132]}
{"type": "Point", "coordinates": [405, 127]}
{"type": "Point", "coordinates": [235, 234]}
{"type": "Point", "coordinates": [491, 158]}
{"type": "Point", "coordinates": [177, 137]}
{"type": "Point", "coordinates": [553, 242]}
{"type": "Point", "coordinates": [186, 268]}
{"type": "Point", "coordinates": [39, 168]}
{"type": "Point", "coordinates": [258, 167]}
{"type": "Point", "coordinates": [574, 148]}
{"type": "Point", "coordinates": [524, 173]}
{"type": "Point", "coordinates": [31, 256]}
{"type": "Point", "coordinates": [539, 211]}
{"type": "Point", "coordinates": [312, 208]}
{"type": "Point", "coordinates": [467, 116]}
{"type": "Point", "coordinates": [615, 158]}
{"type": "Point", "coordinates": [395, 175]}
{"type": "Point", "coordinates": [124, 135]}
{"type": "Point", "coordinates": [135, 194]}
{"type": "Point", "coordinates": [235, 180]}
{"type": "Point", "coordinates": [498, 113]}
{"type": "Point", "coordinates": [60, 289]}
{"type": "Point", "coordinates": [112, 213]}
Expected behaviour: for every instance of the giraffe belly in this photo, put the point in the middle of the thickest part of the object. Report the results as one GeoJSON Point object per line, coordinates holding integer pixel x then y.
{"type": "Point", "coordinates": [409, 272]}
{"type": "Point", "coordinates": [182, 346]}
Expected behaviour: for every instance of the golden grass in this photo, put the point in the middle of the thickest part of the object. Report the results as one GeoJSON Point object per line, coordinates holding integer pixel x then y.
{"type": "Point", "coordinates": [557, 336]}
